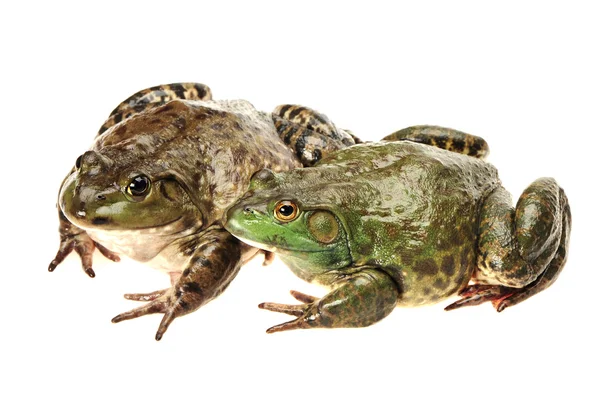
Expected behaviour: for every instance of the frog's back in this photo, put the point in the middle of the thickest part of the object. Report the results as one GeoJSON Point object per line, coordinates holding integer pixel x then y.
{"type": "Point", "coordinates": [411, 209]}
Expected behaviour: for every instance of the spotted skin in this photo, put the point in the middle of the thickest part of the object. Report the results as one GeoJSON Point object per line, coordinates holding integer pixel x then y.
{"type": "Point", "coordinates": [154, 97]}
{"type": "Point", "coordinates": [416, 224]}
{"type": "Point", "coordinates": [311, 134]}
{"type": "Point", "coordinates": [196, 157]}
{"type": "Point", "coordinates": [522, 250]}
{"type": "Point", "coordinates": [442, 137]}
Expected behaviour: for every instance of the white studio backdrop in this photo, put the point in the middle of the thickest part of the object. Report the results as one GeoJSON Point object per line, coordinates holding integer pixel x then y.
{"type": "Point", "coordinates": [523, 75]}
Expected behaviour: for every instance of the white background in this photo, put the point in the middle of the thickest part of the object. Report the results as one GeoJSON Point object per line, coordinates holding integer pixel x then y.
{"type": "Point", "coordinates": [523, 75]}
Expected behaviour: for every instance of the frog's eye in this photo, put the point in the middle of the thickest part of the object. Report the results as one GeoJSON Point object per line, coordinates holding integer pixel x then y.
{"type": "Point", "coordinates": [78, 162]}
{"type": "Point", "coordinates": [286, 211]}
{"type": "Point", "coordinates": [139, 186]}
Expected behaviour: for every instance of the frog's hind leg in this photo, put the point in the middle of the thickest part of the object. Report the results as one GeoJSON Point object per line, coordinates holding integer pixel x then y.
{"type": "Point", "coordinates": [310, 134]}
{"type": "Point", "coordinates": [522, 250]}
{"type": "Point", "coordinates": [442, 137]}
{"type": "Point", "coordinates": [153, 97]}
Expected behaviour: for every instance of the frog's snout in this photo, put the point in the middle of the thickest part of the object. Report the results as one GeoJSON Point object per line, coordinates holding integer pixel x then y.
{"type": "Point", "coordinates": [83, 204]}
{"type": "Point", "coordinates": [239, 216]}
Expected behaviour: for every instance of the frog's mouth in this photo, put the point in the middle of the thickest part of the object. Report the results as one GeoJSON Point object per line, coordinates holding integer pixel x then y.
{"type": "Point", "coordinates": [109, 224]}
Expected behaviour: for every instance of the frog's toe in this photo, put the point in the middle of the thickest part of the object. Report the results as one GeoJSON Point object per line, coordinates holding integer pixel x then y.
{"type": "Point", "coordinates": [303, 297]}
{"type": "Point", "coordinates": [304, 312]}
{"type": "Point", "coordinates": [290, 325]}
{"type": "Point", "coordinates": [107, 253]}
{"type": "Point", "coordinates": [84, 246]}
{"type": "Point", "coordinates": [156, 306]}
{"type": "Point", "coordinates": [269, 258]}
{"type": "Point", "coordinates": [173, 302]}
{"type": "Point", "coordinates": [146, 297]}
{"type": "Point", "coordinates": [294, 310]}
{"type": "Point", "coordinates": [477, 294]}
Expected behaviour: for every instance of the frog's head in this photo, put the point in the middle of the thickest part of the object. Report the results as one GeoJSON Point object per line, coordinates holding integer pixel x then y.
{"type": "Point", "coordinates": [275, 217]}
{"type": "Point", "coordinates": [112, 192]}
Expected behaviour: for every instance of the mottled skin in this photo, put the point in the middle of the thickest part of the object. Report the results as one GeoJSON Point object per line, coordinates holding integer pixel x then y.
{"type": "Point", "coordinates": [155, 184]}
{"type": "Point", "coordinates": [404, 224]}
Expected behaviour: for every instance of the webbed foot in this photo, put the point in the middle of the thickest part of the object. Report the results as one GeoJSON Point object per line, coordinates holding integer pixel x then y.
{"type": "Point", "coordinates": [171, 301]}
{"type": "Point", "coordinates": [307, 315]}
{"type": "Point", "coordinates": [358, 300]}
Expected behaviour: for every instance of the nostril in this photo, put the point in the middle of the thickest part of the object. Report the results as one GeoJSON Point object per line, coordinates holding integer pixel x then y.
{"type": "Point", "coordinates": [100, 197]}
{"type": "Point", "coordinates": [247, 210]}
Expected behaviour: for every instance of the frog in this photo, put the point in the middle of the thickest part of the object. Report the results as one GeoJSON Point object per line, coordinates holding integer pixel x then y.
{"type": "Point", "coordinates": [163, 168]}
{"type": "Point", "coordinates": [412, 220]}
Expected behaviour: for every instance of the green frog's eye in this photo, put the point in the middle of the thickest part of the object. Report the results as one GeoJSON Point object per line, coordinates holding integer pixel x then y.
{"type": "Point", "coordinates": [286, 211]}
{"type": "Point", "coordinates": [139, 186]}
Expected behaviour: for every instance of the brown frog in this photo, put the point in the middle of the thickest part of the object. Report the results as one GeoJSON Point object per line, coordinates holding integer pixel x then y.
{"type": "Point", "coordinates": [160, 174]}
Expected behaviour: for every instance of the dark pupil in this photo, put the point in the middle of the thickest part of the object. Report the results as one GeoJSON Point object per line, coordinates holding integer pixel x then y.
{"type": "Point", "coordinates": [286, 210]}
{"type": "Point", "coordinates": [138, 185]}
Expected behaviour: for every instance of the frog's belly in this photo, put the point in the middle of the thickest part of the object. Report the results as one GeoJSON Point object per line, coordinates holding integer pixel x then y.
{"type": "Point", "coordinates": [158, 252]}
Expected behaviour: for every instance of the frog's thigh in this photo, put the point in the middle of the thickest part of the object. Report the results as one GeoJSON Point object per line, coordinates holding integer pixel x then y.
{"type": "Point", "coordinates": [442, 137]}
{"type": "Point", "coordinates": [518, 246]}
{"type": "Point", "coordinates": [154, 97]}
{"type": "Point", "coordinates": [309, 133]}
{"type": "Point", "coordinates": [360, 300]}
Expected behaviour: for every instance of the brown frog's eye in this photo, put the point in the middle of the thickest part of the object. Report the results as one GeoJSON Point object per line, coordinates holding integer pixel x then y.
{"type": "Point", "coordinates": [139, 186]}
{"type": "Point", "coordinates": [78, 162]}
{"type": "Point", "coordinates": [286, 211]}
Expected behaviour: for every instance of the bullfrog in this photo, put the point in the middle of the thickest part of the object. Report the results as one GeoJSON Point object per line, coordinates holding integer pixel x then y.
{"type": "Point", "coordinates": [408, 221]}
{"type": "Point", "coordinates": [157, 179]}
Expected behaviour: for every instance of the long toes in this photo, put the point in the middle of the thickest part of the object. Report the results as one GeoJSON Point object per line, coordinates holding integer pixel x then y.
{"type": "Point", "coordinates": [108, 253]}
{"type": "Point", "coordinates": [164, 324]}
{"type": "Point", "coordinates": [303, 297]}
{"type": "Point", "coordinates": [146, 297]}
{"type": "Point", "coordinates": [65, 249]}
{"type": "Point", "coordinates": [153, 307]}
{"type": "Point", "coordinates": [473, 300]}
{"type": "Point", "coordinates": [86, 254]}
{"type": "Point", "coordinates": [510, 299]}
{"type": "Point", "coordinates": [290, 325]}
{"type": "Point", "coordinates": [477, 294]}
{"type": "Point", "coordinates": [475, 288]}
{"type": "Point", "coordinates": [294, 310]}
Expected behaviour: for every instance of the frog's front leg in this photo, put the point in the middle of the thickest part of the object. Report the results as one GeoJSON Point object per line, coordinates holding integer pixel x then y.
{"type": "Point", "coordinates": [211, 268]}
{"type": "Point", "coordinates": [522, 250]}
{"type": "Point", "coordinates": [310, 134]}
{"type": "Point", "coordinates": [359, 300]}
{"type": "Point", "coordinates": [72, 238]}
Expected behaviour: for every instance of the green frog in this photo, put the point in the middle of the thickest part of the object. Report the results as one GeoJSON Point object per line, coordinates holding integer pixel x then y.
{"type": "Point", "coordinates": [161, 172]}
{"type": "Point", "coordinates": [404, 222]}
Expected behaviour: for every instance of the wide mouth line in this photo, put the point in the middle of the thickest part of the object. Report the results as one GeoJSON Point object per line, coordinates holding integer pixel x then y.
{"type": "Point", "coordinates": [106, 222]}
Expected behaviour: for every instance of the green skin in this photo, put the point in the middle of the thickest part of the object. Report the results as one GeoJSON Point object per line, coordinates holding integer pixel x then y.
{"type": "Point", "coordinates": [404, 224]}
{"type": "Point", "coordinates": [195, 157]}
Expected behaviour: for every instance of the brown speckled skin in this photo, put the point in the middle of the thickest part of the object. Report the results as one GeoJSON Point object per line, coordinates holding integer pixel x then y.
{"type": "Point", "coordinates": [198, 155]}
{"type": "Point", "coordinates": [415, 225]}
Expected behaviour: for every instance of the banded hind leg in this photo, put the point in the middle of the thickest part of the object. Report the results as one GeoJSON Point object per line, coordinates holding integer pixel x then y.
{"type": "Point", "coordinates": [154, 97]}
{"type": "Point", "coordinates": [522, 250]}
{"type": "Point", "coordinates": [443, 137]}
{"type": "Point", "coordinates": [310, 134]}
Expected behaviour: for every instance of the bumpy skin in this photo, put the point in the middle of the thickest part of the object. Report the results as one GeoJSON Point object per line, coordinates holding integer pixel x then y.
{"type": "Point", "coordinates": [157, 180]}
{"type": "Point", "coordinates": [404, 224]}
